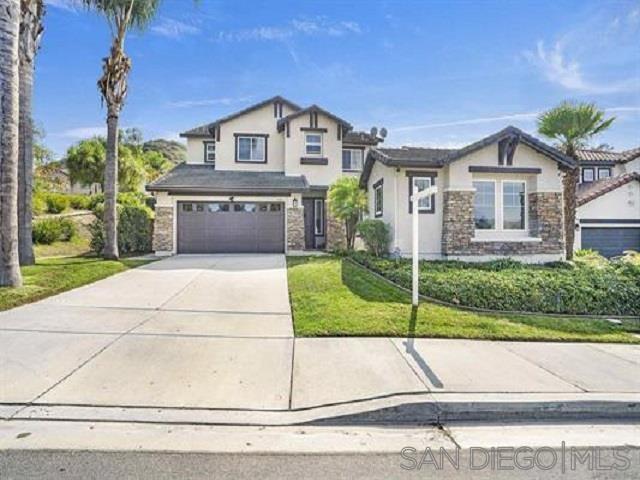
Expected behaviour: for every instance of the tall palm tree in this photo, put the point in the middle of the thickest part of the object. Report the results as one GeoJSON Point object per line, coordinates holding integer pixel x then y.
{"type": "Point", "coordinates": [121, 15]}
{"type": "Point", "coordinates": [572, 125]}
{"type": "Point", "coordinates": [32, 13]}
{"type": "Point", "coordinates": [9, 99]}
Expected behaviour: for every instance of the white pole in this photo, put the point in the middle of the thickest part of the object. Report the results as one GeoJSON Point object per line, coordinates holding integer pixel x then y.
{"type": "Point", "coordinates": [414, 254]}
{"type": "Point", "coordinates": [415, 248]}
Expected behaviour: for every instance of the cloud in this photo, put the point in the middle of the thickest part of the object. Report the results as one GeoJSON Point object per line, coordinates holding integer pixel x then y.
{"type": "Point", "coordinates": [207, 102]}
{"type": "Point", "coordinates": [80, 133]}
{"type": "Point", "coordinates": [168, 27]}
{"type": "Point", "coordinates": [318, 26]}
{"type": "Point", "coordinates": [68, 5]}
{"type": "Point", "coordinates": [470, 121]}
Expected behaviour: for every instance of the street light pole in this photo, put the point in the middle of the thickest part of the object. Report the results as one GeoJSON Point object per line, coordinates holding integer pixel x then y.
{"type": "Point", "coordinates": [415, 244]}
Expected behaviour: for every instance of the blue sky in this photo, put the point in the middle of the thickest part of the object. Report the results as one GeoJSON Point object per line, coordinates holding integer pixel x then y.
{"type": "Point", "coordinates": [434, 73]}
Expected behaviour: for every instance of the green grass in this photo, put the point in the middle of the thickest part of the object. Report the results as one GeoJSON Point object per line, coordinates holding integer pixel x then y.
{"type": "Point", "coordinates": [334, 297]}
{"type": "Point", "coordinates": [77, 246]}
{"type": "Point", "coordinates": [55, 275]}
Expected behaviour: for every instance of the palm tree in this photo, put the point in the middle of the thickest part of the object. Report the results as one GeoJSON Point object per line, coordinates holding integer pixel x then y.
{"type": "Point", "coordinates": [572, 125]}
{"type": "Point", "coordinates": [9, 99]}
{"type": "Point", "coordinates": [121, 15]}
{"type": "Point", "coordinates": [30, 34]}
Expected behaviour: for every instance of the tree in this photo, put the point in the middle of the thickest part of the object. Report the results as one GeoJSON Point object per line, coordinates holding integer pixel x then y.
{"type": "Point", "coordinates": [347, 202]}
{"type": "Point", "coordinates": [32, 12]}
{"type": "Point", "coordinates": [9, 113]}
{"type": "Point", "coordinates": [86, 163]}
{"type": "Point", "coordinates": [155, 164]}
{"type": "Point", "coordinates": [572, 125]}
{"type": "Point", "coordinates": [121, 15]}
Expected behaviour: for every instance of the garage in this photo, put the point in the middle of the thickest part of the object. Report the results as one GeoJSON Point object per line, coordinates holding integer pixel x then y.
{"type": "Point", "coordinates": [611, 241]}
{"type": "Point", "coordinates": [230, 227]}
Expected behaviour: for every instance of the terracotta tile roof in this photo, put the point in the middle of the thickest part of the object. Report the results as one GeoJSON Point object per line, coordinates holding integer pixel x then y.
{"type": "Point", "coordinates": [591, 191]}
{"type": "Point", "coordinates": [595, 155]}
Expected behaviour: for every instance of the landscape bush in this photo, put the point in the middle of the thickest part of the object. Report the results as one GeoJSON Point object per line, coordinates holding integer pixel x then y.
{"type": "Point", "coordinates": [38, 203]}
{"type": "Point", "coordinates": [56, 202]}
{"type": "Point", "coordinates": [49, 230]}
{"type": "Point", "coordinates": [376, 236]}
{"type": "Point", "coordinates": [135, 229]}
{"type": "Point", "coordinates": [79, 202]}
{"type": "Point", "coordinates": [508, 285]}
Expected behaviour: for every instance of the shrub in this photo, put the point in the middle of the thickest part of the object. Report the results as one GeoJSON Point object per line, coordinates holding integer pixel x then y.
{"type": "Point", "coordinates": [79, 202]}
{"type": "Point", "coordinates": [49, 230]}
{"type": "Point", "coordinates": [376, 235]}
{"type": "Point", "coordinates": [56, 202]}
{"type": "Point", "coordinates": [135, 228]}
{"type": "Point", "coordinates": [38, 203]}
{"type": "Point", "coordinates": [590, 258]}
{"type": "Point", "coordinates": [505, 285]}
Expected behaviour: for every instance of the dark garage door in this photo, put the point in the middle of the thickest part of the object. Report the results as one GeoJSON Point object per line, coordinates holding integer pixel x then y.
{"type": "Point", "coordinates": [225, 227]}
{"type": "Point", "coordinates": [611, 241]}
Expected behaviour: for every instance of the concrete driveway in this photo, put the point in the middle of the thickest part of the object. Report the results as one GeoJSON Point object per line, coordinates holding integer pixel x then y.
{"type": "Point", "coordinates": [187, 331]}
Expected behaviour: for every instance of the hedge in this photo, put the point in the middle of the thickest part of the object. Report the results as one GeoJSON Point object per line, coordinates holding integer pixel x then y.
{"type": "Point", "coordinates": [135, 229]}
{"type": "Point", "coordinates": [560, 288]}
{"type": "Point", "coordinates": [49, 230]}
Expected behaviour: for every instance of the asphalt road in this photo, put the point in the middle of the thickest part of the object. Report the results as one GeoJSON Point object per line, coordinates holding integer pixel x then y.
{"type": "Point", "coordinates": [120, 465]}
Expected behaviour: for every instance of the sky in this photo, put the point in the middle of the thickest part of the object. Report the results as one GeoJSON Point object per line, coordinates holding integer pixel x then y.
{"type": "Point", "coordinates": [434, 73]}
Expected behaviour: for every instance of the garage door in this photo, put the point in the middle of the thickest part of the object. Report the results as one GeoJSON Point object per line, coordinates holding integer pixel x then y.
{"type": "Point", "coordinates": [611, 241]}
{"type": "Point", "coordinates": [230, 227]}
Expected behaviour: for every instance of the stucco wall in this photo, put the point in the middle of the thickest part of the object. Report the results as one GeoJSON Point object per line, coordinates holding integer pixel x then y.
{"type": "Point", "coordinates": [294, 150]}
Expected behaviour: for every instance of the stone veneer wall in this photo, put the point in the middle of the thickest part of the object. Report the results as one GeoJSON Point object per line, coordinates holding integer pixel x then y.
{"type": "Point", "coordinates": [295, 228]}
{"type": "Point", "coordinates": [336, 232]}
{"type": "Point", "coordinates": [545, 222]}
{"type": "Point", "coordinates": [163, 230]}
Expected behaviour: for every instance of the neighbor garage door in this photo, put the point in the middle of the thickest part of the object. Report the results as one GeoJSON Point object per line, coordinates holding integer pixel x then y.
{"type": "Point", "coordinates": [611, 241]}
{"type": "Point", "coordinates": [225, 227]}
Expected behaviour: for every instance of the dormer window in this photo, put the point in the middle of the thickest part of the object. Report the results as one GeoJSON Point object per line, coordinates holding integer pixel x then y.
{"type": "Point", "coordinates": [313, 143]}
{"type": "Point", "coordinates": [210, 152]}
{"type": "Point", "coordinates": [588, 175]}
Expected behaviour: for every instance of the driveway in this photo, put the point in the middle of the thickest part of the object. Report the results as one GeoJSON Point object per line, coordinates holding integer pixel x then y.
{"type": "Point", "coordinates": [188, 331]}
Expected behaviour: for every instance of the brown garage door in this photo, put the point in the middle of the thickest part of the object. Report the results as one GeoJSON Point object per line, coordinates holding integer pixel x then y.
{"type": "Point", "coordinates": [230, 227]}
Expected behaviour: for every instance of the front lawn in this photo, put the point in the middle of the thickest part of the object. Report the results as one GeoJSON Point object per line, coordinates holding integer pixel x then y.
{"type": "Point", "coordinates": [55, 275]}
{"type": "Point", "coordinates": [334, 297]}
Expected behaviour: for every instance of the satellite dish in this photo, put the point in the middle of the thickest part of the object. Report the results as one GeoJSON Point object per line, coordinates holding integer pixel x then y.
{"type": "Point", "coordinates": [374, 132]}
{"type": "Point", "coordinates": [383, 132]}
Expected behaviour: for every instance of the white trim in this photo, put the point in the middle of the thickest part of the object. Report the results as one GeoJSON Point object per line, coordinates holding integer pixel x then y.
{"type": "Point", "coordinates": [307, 144]}
{"type": "Point", "coordinates": [375, 199]}
{"type": "Point", "coordinates": [526, 205]}
{"type": "Point", "coordinates": [505, 239]}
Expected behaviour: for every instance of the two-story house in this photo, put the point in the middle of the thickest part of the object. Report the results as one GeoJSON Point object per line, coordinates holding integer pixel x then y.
{"type": "Point", "coordinates": [257, 180]}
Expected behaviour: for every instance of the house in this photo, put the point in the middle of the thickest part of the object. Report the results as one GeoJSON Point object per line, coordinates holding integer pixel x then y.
{"type": "Point", "coordinates": [608, 201]}
{"type": "Point", "coordinates": [498, 197]}
{"type": "Point", "coordinates": [257, 181]}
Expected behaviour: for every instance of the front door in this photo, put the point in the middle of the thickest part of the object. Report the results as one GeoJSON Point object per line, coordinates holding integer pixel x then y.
{"type": "Point", "coordinates": [314, 223]}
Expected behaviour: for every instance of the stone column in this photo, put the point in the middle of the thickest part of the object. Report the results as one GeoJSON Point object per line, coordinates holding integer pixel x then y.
{"type": "Point", "coordinates": [457, 222]}
{"type": "Point", "coordinates": [545, 209]}
{"type": "Point", "coordinates": [295, 228]}
{"type": "Point", "coordinates": [163, 230]}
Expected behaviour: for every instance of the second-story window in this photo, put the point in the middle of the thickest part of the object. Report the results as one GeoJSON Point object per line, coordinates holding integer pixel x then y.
{"type": "Point", "coordinates": [251, 149]}
{"type": "Point", "coordinates": [588, 175]}
{"type": "Point", "coordinates": [351, 159]}
{"type": "Point", "coordinates": [313, 143]}
{"type": "Point", "coordinates": [210, 152]}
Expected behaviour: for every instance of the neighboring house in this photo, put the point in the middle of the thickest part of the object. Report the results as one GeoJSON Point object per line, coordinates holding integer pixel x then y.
{"type": "Point", "coordinates": [608, 213]}
{"type": "Point", "coordinates": [499, 197]}
{"type": "Point", "coordinates": [257, 180]}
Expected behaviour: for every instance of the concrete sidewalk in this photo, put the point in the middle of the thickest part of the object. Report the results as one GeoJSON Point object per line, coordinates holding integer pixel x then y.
{"type": "Point", "coordinates": [209, 339]}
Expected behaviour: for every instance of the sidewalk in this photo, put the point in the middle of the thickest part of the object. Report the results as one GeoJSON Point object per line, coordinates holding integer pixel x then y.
{"type": "Point", "coordinates": [357, 381]}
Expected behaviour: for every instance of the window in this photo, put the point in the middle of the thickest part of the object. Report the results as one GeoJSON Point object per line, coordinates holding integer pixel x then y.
{"type": "Point", "coordinates": [378, 198]}
{"type": "Point", "coordinates": [587, 175]}
{"type": "Point", "coordinates": [352, 159]}
{"type": "Point", "coordinates": [604, 173]}
{"type": "Point", "coordinates": [318, 215]}
{"type": "Point", "coordinates": [513, 205]}
{"type": "Point", "coordinates": [187, 207]}
{"type": "Point", "coordinates": [218, 207]}
{"type": "Point", "coordinates": [484, 205]}
{"type": "Point", "coordinates": [210, 152]}
{"type": "Point", "coordinates": [251, 149]}
{"type": "Point", "coordinates": [313, 143]}
{"type": "Point", "coordinates": [275, 207]}
{"type": "Point", "coordinates": [244, 207]}
{"type": "Point", "coordinates": [419, 184]}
